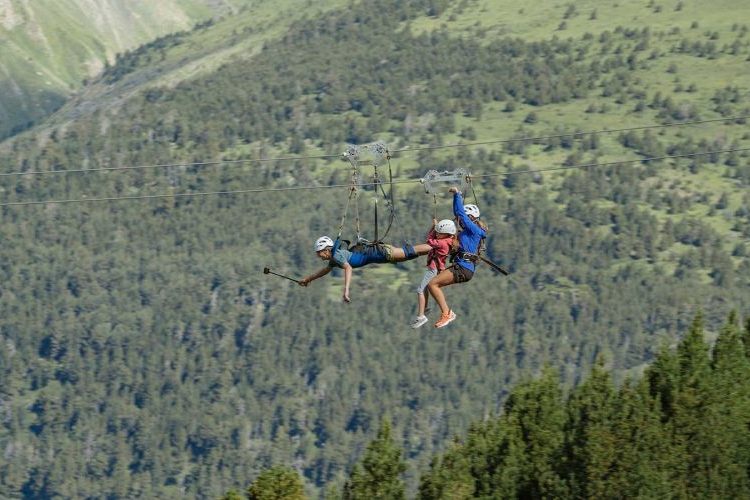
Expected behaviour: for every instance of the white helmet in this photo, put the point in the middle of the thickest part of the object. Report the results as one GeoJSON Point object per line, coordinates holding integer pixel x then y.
{"type": "Point", "coordinates": [446, 226]}
{"type": "Point", "coordinates": [322, 243]}
{"type": "Point", "coordinates": [472, 210]}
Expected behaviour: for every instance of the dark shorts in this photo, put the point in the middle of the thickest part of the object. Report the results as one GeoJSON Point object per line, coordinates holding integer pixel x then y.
{"type": "Point", "coordinates": [461, 274]}
{"type": "Point", "coordinates": [371, 254]}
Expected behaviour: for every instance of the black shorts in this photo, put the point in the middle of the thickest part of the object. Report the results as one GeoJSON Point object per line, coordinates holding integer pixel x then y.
{"type": "Point", "coordinates": [461, 274]}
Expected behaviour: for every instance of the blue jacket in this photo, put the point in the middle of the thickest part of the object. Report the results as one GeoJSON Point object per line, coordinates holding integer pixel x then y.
{"type": "Point", "coordinates": [471, 234]}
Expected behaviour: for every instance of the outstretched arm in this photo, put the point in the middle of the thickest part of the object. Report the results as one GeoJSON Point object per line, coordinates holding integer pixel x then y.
{"type": "Point", "coordinates": [347, 281]}
{"type": "Point", "coordinates": [317, 274]}
{"type": "Point", "coordinates": [458, 210]}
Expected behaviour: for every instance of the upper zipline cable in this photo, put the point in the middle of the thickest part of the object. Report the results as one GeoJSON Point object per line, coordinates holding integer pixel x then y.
{"type": "Point", "coordinates": [569, 134]}
{"type": "Point", "coordinates": [610, 163]}
{"type": "Point", "coordinates": [166, 165]}
{"type": "Point", "coordinates": [348, 186]}
{"type": "Point", "coordinates": [216, 163]}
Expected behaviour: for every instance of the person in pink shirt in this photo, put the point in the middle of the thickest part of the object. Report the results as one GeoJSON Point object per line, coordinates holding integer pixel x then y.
{"type": "Point", "coordinates": [440, 239]}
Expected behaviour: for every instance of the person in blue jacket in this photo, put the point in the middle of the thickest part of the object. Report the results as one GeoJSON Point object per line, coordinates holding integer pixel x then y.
{"type": "Point", "coordinates": [346, 259]}
{"type": "Point", "coordinates": [473, 231]}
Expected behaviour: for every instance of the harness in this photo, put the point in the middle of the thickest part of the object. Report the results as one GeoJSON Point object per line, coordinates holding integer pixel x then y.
{"type": "Point", "coordinates": [359, 247]}
{"type": "Point", "coordinates": [475, 258]}
{"type": "Point", "coordinates": [468, 256]}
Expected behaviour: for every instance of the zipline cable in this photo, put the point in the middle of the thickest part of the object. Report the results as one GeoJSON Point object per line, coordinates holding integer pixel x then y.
{"type": "Point", "coordinates": [338, 186]}
{"type": "Point", "coordinates": [611, 163]}
{"type": "Point", "coordinates": [570, 134]}
{"type": "Point", "coordinates": [186, 195]}
{"type": "Point", "coordinates": [331, 156]}
{"type": "Point", "coordinates": [167, 165]}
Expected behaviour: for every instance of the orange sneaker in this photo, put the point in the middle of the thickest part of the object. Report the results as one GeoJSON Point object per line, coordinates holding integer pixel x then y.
{"type": "Point", "coordinates": [445, 319]}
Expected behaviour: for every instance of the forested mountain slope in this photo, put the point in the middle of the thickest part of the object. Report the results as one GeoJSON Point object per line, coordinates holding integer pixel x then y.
{"type": "Point", "coordinates": [142, 339]}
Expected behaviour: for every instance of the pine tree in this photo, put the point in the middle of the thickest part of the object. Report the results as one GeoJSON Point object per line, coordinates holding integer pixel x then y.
{"type": "Point", "coordinates": [641, 468]}
{"type": "Point", "coordinates": [591, 443]}
{"type": "Point", "coordinates": [691, 426]}
{"type": "Point", "coordinates": [529, 453]}
{"type": "Point", "coordinates": [232, 495]}
{"type": "Point", "coordinates": [378, 476]}
{"type": "Point", "coordinates": [746, 337]}
{"type": "Point", "coordinates": [689, 417]}
{"type": "Point", "coordinates": [516, 455]}
{"type": "Point", "coordinates": [449, 476]}
{"type": "Point", "coordinates": [728, 457]}
{"type": "Point", "coordinates": [662, 377]}
{"type": "Point", "coordinates": [277, 483]}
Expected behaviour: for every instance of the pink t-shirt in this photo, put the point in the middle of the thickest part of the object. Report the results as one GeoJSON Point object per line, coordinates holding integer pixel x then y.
{"type": "Point", "coordinates": [440, 250]}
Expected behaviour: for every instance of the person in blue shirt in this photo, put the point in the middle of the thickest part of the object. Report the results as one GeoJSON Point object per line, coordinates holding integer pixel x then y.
{"type": "Point", "coordinates": [473, 231]}
{"type": "Point", "coordinates": [346, 259]}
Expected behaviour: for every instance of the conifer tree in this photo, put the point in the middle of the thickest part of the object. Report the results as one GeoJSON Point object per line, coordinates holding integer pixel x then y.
{"type": "Point", "coordinates": [277, 483]}
{"type": "Point", "coordinates": [662, 377]}
{"type": "Point", "coordinates": [378, 475]}
{"type": "Point", "coordinates": [728, 456]}
{"type": "Point", "coordinates": [690, 427]}
{"type": "Point", "coordinates": [642, 458]}
{"type": "Point", "coordinates": [232, 495]}
{"type": "Point", "coordinates": [449, 476]}
{"type": "Point", "coordinates": [517, 455]}
{"type": "Point", "coordinates": [746, 337]}
{"type": "Point", "coordinates": [529, 453]}
{"type": "Point", "coordinates": [591, 443]}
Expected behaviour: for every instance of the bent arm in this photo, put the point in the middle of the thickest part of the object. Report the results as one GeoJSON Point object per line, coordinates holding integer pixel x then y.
{"type": "Point", "coordinates": [317, 274]}
{"type": "Point", "coordinates": [432, 239]}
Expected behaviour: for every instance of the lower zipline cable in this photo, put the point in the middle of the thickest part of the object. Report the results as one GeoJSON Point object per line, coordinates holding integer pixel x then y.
{"type": "Point", "coordinates": [216, 163]}
{"type": "Point", "coordinates": [339, 186]}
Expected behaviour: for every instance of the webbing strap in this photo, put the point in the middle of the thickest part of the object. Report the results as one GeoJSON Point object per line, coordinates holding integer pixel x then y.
{"type": "Point", "coordinates": [353, 193]}
{"type": "Point", "coordinates": [376, 180]}
{"type": "Point", "coordinates": [346, 210]}
{"type": "Point", "coordinates": [392, 201]}
{"type": "Point", "coordinates": [471, 185]}
{"type": "Point", "coordinates": [356, 218]}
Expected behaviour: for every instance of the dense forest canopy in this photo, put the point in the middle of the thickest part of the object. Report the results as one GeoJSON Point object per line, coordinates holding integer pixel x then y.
{"type": "Point", "coordinates": [146, 354]}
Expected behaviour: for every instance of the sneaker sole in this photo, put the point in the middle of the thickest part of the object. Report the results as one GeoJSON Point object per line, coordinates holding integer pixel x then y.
{"type": "Point", "coordinates": [420, 324]}
{"type": "Point", "coordinates": [446, 323]}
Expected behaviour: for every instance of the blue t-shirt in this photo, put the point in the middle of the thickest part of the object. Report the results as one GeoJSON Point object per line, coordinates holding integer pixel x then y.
{"type": "Point", "coordinates": [339, 257]}
{"type": "Point", "coordinates": [470, 237]}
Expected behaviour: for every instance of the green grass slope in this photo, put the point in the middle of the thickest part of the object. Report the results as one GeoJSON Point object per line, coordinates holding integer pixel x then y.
{"type": "Point", "coordinates": [50, 47]}
{"type": "Point", "coordinates": [169, 60]}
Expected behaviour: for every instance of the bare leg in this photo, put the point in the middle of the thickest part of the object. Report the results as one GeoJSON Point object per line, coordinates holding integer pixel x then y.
{"type": "Point", "coordinates": [445, 278]}
{"type": "Point", "coordinates": [398, 254]}
{"type": "Point", "coordinates": [422, 249]}
{"type": "Point", "coordinates": [422, 303]}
